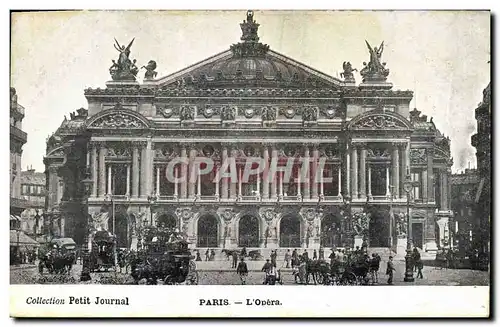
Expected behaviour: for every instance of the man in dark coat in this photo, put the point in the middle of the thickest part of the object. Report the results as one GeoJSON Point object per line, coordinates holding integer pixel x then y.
{"type": "Point", "coordinates": [315, 255]}
{"type": "Point", "coordinates": [390, 270]}
{"type": "Point", "coordinates": [242, 270]}
{"type": "Point", "coordinates": [235, 259]}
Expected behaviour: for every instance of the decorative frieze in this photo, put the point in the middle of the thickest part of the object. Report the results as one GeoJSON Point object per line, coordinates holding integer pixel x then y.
{"type": "Point", "coordinates": [118, 120]}
{"type": "Point", "coordinates": [418, 156]}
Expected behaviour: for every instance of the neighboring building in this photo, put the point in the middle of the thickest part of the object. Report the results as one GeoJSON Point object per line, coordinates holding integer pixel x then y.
{"type": "Point", "coordinates": [33, 191]}
{"type": "Point", "coordinates": [251, 101]}
{"type": "Point", "coordinates": [463, 193]}
{"type": "Point", "coordinates": [17, 139]}
{"type": "Point", "coordinates": [482, 142]}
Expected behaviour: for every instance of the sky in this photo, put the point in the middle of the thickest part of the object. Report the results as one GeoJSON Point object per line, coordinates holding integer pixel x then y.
{"type": "Point", "coordinates": [442, 56]}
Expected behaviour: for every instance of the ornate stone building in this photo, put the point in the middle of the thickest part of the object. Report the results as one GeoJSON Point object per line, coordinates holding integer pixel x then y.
{"type": "Point", "coordinates": [247, 102]}
{"type": "Point", "coordinates": [463, 191]}
{"type": "Point", "coordinates": [482, 142]}
{"type": "Point", "coordinates": [33, 191]}
{"type": "Point", "coordinates": [17, 139]}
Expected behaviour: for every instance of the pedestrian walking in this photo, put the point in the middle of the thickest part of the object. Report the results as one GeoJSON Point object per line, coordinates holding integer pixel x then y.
{"type": "Point", "coordinates": [288, 257]}
{"type": "Point", "coordinates": [207, 255]}
{"type": "Point", "coordinates": [305, 256]}
{"type": "Point", "coordinates": [315, 255]}
{"type": "Point", "coordinates": [198, 256]}
{"type": "Point", "coordinates": [321, 253]}
{"type": "Point", "coordinates": [295, 258]}
{"type": "Point", "coordinates": [212, 255]}
{"type": "Point", "coordinates": [273, 257]}
{"type": "Point", "coordinates": [242, 270]}
{"type": "Point", "coordinates": [235, 259]}
{"type": "Point", "coordinates": [417, 259]}
{"type": "Point", "coordinates": [390, 270]}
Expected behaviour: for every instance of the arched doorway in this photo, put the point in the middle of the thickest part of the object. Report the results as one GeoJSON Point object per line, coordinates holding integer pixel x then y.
{"type": "Point", "coordinates": [121, 231]}
{"type": "Point", "coordinates": [379, 229]}
{"type": "Point", "coordinates": [167, 221]}
{"type": "Point", "coordinates": [290, 232]}
{"type": "Point", "coordinates": [208, 227]}
{"type": "Point", "coordinates": [331, 231]}
{"type": "Point", "coordinates": [248, 231]}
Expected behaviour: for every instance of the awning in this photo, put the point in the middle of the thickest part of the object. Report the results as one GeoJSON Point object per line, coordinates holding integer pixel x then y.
{"type": "Point", "coordinates": [14, 217]}
{"type": "Point", "coordinates": [22, 240]}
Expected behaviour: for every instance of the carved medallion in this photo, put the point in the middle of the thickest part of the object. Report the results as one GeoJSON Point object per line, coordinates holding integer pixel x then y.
{"type": "Point", "coordinates": [288, 112]}
{"type": "Point", "coordinates": [184, 213]}
{"type": "Point", "coordinates": [379, 122]}
{"type": "Point", "coordinates": [166, 112]}
{"type": "Point", "coordinates": [249, 112]}
{"type": "Point", "coordinates": [268, 214]}
{"type": "Point", "coordinates": [227, 214]}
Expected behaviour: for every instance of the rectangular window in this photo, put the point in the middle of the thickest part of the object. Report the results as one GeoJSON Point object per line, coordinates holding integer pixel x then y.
{"type": "Point", "coordinates": [331, 172]}
{"type": "Point", "coordinates": [417, 185]}
{"type": "Point", "coordinates": [25, 189]}
{"type": "Point", "coordinates": [379, 179]}
{"type": "Point", "coordinates": [118, 179]}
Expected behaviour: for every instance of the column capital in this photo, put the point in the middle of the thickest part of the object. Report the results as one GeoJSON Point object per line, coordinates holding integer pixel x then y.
{"type": "Point", "coordinates": [138, 144]}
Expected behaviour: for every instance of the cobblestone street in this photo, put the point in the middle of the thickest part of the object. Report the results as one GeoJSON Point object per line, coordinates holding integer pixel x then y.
{"type": "Point", "coordinates": [221, 273]}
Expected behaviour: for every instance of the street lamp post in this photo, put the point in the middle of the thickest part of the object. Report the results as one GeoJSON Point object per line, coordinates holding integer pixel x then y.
{"type": "Point", "coordinates": [151, 200]}
{"type": "Point", "coordinates": [85, 274]}
{"type": "Point", "coordinates": [408, 187]}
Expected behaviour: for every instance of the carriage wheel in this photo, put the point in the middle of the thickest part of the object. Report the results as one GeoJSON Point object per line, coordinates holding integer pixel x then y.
{"type": "Point", "coordinates": [319, 278]}
{"type": "Point", "coordinates": [348, 279]}
{"type": "Point", "coordinates": [169, 280]}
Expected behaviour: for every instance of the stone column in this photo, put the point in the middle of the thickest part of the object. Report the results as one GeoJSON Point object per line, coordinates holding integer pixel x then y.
{"type": "Point", "coordinates": [217, 171]}
{"type": "Point", "coordinates": [306, 191]}
{"type": "Point", "coordinates": [143, 172]}
{"type": "Point", "coordinates": [102, 171]}
{"type": "Point", "coordinates": [192, 173]}
{"type": "Point", "coordinates": [445, 190]}
{"type": "Point", "coordinates": [93, 169]}
{"type": "Point", "coordinates": [395, 171]}
{"type": "Point", "coordinates": [135, 170]}
{"type": "Point", "coordinates": [274, 188]}
{"type": "Point", "coordinates": [362, 173]}
{"type": "Point", "coordinates": [265, 174]}
{"type": "Point", "coordinates": [128, 180]}
{"type": "Point", "coordinates": [442, 189]}
{"type": "Point", "coordinates": [232, 183]}
{"type": "Point", "coordinates": [339, 180]}
{"type": "Point", "coordinates": [430, 175]}
{"type": "Point", "coordinates": [346, 186]}
{"type": "Point", "coordinates": [424, 186]}
{"type": "Point", "coordinates": [184, 173]}
{"type": "Point", "coordinates": [225, 186]}
{"type": "Point", "coordinates": [369, 181]}
{"type": "Point", "coordinates": [110, 180]}
{"type": "Point", "coordinates": [314, 172]}
{"type": "Point", "coordinates": [157, 188]}
{"type": "Point", "coordinates": [402, 169]}
{"type": "Point", "coordinates": [354, 172]}
{"type": "Point", "coordinates": [387, 182]}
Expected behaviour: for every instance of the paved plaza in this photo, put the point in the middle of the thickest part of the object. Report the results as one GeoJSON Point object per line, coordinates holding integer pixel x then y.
{"type": "Point", "coordinates": [221, 273]}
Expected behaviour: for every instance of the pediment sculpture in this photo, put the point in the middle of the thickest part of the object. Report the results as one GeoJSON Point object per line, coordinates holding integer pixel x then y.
{"type": "Point", "coordinates": [118, 120]}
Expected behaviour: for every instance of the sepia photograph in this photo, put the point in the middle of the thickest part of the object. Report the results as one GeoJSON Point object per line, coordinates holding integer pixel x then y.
{"type": "Point", "coordinates": [320, 151]}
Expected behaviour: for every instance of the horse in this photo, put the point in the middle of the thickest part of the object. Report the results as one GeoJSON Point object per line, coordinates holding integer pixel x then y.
{"type": "Point", "coordinates": [57, 263]}
{"type": "Point", "coordinates": [318, 269]}
{"type": "Point", "coordinates": [229, 253]}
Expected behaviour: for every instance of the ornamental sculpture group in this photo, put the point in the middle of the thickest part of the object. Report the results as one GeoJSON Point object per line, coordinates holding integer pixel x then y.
{"type": "Point", "coordinates": [125, 69]}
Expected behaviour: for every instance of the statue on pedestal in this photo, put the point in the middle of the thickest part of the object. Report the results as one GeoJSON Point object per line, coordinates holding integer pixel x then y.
{"type": "Point", "coordinates": [375, 70]}
{"type": "Point", "coordinates": [347, 74]}
{"type": "Point", "coordinates": [124, 69]}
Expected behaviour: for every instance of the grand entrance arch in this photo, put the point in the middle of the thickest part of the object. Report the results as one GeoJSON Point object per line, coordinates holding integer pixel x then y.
{"type": "Point", "coordinates": [248, 231]}
{"type": "Point", "coordinates": [331, 231]}
{"type": "Point", "coordinates": [208, 228]}
{"type": "Point", "coordinates": [290, 231]}
{"type": "Point", "coordinates": [167, 221]}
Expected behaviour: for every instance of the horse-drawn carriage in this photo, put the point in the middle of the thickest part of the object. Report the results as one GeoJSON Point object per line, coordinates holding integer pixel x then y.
{"type": "Point", "coordinates": [57, 256]}
{"type": "Point", "coordinates": [102, 252]}
{"type": "Point", "coordinates": [164, 257]}
{"type": "Point", "coordinates": [352, 272]}
{"type": "Point", "coordinates": [254, 255]}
